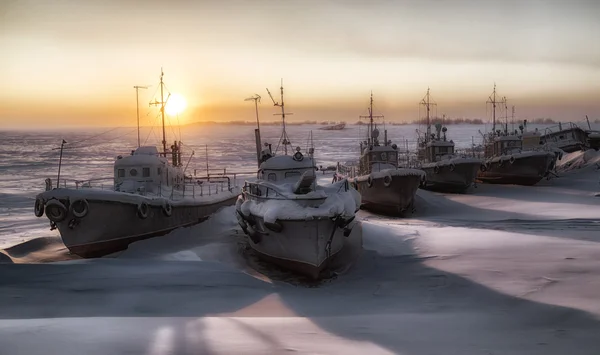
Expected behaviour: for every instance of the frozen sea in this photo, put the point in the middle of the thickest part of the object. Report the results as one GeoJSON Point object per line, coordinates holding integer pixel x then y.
{"type": "Point", "coordinates": [498, 270]}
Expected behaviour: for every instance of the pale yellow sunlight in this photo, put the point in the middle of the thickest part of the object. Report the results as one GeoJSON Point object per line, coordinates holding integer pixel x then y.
{"type": "Point", "coordinates": [176, 104]}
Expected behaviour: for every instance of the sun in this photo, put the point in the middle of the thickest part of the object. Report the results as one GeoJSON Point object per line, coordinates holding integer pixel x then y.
{"type": "Point", "coordinates": [175, 105]}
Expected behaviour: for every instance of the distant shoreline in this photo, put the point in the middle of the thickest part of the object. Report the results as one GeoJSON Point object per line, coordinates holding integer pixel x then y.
{"type": "Point", "coordinates": [463, 121]}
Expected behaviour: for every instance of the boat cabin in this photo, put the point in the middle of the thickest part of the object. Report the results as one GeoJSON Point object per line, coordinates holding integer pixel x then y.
{"type": "Point", "coordinates": [376, 157]}
{"type": "Point", "coordinates": [145, 169]}
{"type": "Point", "coordinates": [504, 145]}
{"type": "Point", "coordinates": [435, 150]}
{"type": "Point", "coordinates": [285, 168]}
{"type": "Point", "coordinates": [435, 147]}
{"type": "Point", "coordinates": [531, 140]}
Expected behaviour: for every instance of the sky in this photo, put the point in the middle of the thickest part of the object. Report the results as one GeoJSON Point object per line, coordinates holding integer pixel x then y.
{"type": "Point", "coordinates": [75, 62]}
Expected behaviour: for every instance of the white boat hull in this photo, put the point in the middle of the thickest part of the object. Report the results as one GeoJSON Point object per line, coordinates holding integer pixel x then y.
{"type": "Point", "coordinates": [300, 246]}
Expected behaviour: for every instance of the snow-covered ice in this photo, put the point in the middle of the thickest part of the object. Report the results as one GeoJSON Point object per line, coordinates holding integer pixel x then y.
{"type": "Point", "coordinates": [500, 270]}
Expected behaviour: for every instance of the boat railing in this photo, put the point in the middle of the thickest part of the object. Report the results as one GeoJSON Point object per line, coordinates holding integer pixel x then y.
{"type": "Point", "coordinates": [346, 170]}
{"type": "Point", "coordinates": [194, 187]}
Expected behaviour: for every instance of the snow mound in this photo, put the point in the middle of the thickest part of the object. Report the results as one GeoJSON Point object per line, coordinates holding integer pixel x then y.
{"type": "Point", "coordinates": [579, 160]}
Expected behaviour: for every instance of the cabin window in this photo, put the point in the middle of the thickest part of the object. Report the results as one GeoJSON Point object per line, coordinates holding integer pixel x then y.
{"type": "Point", "coordinates": [146, 172]}
{"type": "Point", "coordinates": [392, 157]}
{"type": "Point", "coordinates": [121, 173]}
{"type": "Point", "coordinates": [290, 174]}
{"type": "Point", "coordinates": [158, 171]}
{"type": "Point", "coordinates": [133, 172]}
{"type": "Point", "coordinates": [272, 177]}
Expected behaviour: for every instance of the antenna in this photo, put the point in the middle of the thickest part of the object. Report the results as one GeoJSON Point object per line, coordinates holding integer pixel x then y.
{"type": "Point", "coordinates": [284, 138]}
{"type": "Point", "coordinates": [137, 103]}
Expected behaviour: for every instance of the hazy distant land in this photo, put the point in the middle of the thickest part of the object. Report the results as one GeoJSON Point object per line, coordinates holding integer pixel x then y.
{"type": "Point", "coordinates": [447, 121]}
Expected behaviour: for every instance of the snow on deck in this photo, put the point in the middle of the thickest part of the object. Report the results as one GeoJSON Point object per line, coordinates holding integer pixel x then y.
{"type": "Point", "coordinates": [336, 201]}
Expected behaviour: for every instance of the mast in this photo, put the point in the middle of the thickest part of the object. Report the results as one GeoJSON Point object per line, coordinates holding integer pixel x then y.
{"type": "Point", "coordinates": [256, 99]}
{"type": "Point", "coordinates": [371, 122]}
{"type": "Point", "coordinates": [505, 115]}
{"type": "Point", "coordinates": [492, 100]}
{"type": "Point", "coordinates": [427, 103]}
{"type": "Point", "coordinates": [162, 112]}
{"type": "Point", "coordinates": [512, 119]}
{"type": "Point", "coordinates": [284, 137]}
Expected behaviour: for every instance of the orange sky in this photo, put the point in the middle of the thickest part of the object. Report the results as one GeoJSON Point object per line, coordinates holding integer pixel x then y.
{"type": "Point", "coordinates": [76, 62]}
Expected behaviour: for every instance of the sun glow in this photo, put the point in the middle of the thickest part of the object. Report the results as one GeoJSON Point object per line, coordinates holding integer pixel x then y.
{"type": "Point", "coordinates": [176, 104]}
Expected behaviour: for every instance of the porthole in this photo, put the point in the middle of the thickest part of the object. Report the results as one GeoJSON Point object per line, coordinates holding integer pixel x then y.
{"type": "Point", "coordinates": [132, 172]}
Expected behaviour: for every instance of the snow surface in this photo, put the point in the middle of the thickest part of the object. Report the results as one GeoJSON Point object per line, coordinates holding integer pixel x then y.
{"type": "Point", "coordinates": [501, 270]}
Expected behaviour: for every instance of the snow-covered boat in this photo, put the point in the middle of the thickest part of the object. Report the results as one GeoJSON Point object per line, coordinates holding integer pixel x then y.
{"type": "Point", "coordinates": [291, 220]}
{"type": "Point", "coordinates": [508, 160]}
{"type": "Point", "coordinates": [445, 170]}
{"type": "Point", "coordinates": [568, 137]}
{"type": "Point", "coordinates": [383, 185]}
{"type": "Point", "coordinates": [147, 197]}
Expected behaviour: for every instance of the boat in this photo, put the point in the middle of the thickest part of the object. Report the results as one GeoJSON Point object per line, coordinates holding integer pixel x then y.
{"type": "Point", "coordinates": [568, 137]}
{"type": "Point", "coordinates": [148, 196]}
{"type": "Point", "coordinates": [445, 170]}
{"type": "Point", "coordinates": [335, 127]}
{"type": "Point", "coordinates": [289, 219]}
{"type": "Point", "coordinates": [507, 160]}
{"type": "Point", "coordinates": [383, 185]}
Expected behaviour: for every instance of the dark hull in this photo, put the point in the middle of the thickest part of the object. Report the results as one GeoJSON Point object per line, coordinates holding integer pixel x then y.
{"type": "Point", "coordinates": [394, 199]}
{"type": "Point", "coordinates": [526, 170]}
{"type": "Point", "coordinates": [111, 226]}
{"type": "Point", "coordinates": [446, 180]}
{"type": "Point", "coordinates": [594, 143]}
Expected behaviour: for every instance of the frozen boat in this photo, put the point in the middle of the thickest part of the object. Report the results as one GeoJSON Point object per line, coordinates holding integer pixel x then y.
{"type": "Point", "coordinates": [507, 161]}
{"type": "Point", "coordinates": [445, 170]}
{"type": "Point", "coordinates": [335, 127]}
{"type": "Point", "coordinates": [383, 185]}
{"type": "Point", "coordinates": [291, 220]}
{"type": "Point", "coordinates": [147, 197]}
{"type": "Point", "coordinates": [571, 138]}
{"type": "Point", "coordinates": [568, 137]}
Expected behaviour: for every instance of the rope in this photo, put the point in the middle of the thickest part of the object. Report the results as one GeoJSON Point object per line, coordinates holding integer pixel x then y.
{"type": "Point", "coordinates": [103, 142]}
{"type": "Point", "coordinates": [97, 135]}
